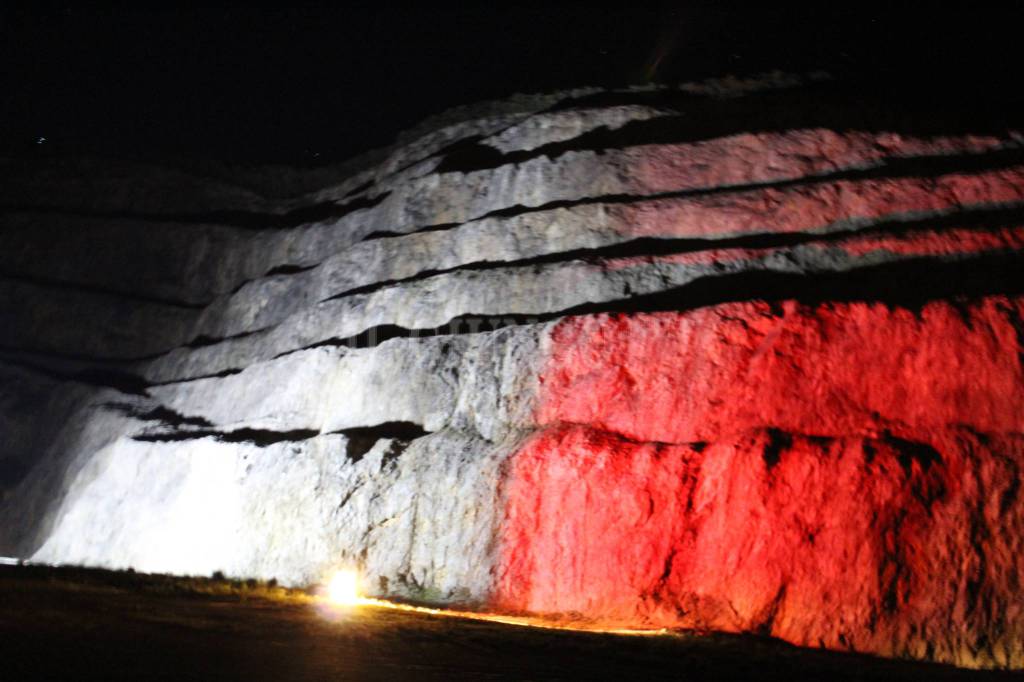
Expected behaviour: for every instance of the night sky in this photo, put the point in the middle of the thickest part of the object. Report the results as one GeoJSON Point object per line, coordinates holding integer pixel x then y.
{"type": "Point", "coordinates": [311, 85]}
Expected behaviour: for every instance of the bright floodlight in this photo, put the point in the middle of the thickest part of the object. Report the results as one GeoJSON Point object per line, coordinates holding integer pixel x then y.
{"type": "Point", "coordinates": [343, 588]}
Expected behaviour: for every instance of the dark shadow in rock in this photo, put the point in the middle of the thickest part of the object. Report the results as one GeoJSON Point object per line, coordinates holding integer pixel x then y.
{"type": "Point", "coordinates": [361, 439]}
{"type": "Point", "coordinates": [258, 437]}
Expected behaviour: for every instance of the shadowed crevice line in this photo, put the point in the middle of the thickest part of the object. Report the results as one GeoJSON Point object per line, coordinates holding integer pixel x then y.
{"type": "Point", "coordinates": [86, 288]}
{"type": "Point", "coordinates": [199, 377]}
{"type": "Point", "coordinates": [361, 439]}
{"type": "Point", "coordinates": [605, 432]}
{"type": "Point", "coordinates": [198, 341]}
{"type": "Point", "coordinates": [908, 284]}
{"type": "Point", "coordinates": [359, 189]}
{"type": "Point", "coordinates": [437, 227]}
{"type": "Point", "coordinates": [202, 340]}
{"type": "Point", "coordinates": [122, 381]}
{"type": "Point", "coordinates": [276, 271]}
{"type": "Point", "coordinates": [387, 234]}
{"type": "Point", "coordinates": [906, 167]}
{"type": "Point", "coordinates": [656, 98]}
{"type": "Point", "coordinates": [979, 217]}
{"type": "Point", "coordinates": [287, 269]}
{"type": "Point", "coordinates": [705, 118]}
{"type": "Point", "coordinates": [258, 437]}
{"type": "Point", "coordinates": [247, 220]}
{"type": "Point", "coordinates": [778, 440]}
{"type": "Point", "coordinates": [162, 414]}
{"type": "Point", "coordinates": [98, 377]}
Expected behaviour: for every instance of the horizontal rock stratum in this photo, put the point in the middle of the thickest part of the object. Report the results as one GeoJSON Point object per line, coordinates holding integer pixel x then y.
{"type": "Point", "coordinates": [744, 358]}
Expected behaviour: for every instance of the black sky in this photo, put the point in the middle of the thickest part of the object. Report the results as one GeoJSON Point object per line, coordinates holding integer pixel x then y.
{"type": "Point", "coordinates": [314, 85]}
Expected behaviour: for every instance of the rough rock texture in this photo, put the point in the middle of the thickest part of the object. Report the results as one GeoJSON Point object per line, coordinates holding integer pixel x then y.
{"type": "Point", "coordinates": [815, 480]}
{"type": "Point", "coordinates": [742, 356]}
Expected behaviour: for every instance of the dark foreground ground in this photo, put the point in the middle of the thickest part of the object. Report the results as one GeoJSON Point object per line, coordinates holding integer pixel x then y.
{"type": "Point", "coordinates": [75, 624]}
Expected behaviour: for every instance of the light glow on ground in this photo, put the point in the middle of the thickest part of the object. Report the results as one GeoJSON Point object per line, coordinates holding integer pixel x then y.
{"type": "Point", "coordinates": [342, 590]}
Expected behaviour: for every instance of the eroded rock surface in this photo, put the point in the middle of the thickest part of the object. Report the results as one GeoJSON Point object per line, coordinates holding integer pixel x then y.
{"type": "Point", "coordinates": [735, 356]}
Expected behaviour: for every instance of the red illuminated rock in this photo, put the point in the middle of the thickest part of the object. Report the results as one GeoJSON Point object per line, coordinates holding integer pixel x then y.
{"type": "Point", "coordinates": [829, 370]}
{"type": "Point", "coordinates": [880, 545]}
{"type": "Point", "coordinates": [843, 475]}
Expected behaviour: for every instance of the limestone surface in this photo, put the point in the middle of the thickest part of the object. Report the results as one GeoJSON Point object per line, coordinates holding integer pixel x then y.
{"type": "Point", "coordinates": [737, 356]}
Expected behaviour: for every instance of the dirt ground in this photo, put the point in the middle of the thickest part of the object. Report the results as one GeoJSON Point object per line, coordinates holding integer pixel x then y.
{"type": "Point", "coordinates": [73, 624]}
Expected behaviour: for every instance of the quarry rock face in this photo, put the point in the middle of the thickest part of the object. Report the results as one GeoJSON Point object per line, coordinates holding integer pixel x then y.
{"type": "Point", "coordinates": [745, 358]}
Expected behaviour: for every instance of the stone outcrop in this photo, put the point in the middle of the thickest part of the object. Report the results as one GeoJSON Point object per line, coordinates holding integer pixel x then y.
{"type": "Point", "coordinates": [742, 357]}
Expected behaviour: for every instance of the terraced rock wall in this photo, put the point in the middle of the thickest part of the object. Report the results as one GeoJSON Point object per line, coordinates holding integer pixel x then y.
{"type": "Point", "coordinates": [698, 358]}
